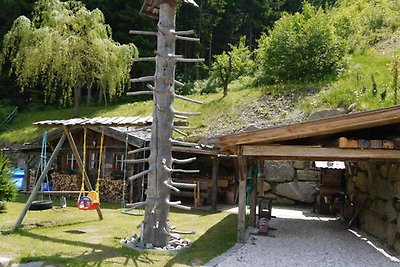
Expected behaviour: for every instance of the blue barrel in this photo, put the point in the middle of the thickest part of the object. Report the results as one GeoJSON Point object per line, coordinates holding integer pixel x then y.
{"type": "Point", "coordinates": [18, 178]}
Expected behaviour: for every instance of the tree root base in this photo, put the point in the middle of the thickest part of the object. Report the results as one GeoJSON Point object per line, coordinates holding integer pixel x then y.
{"type": "Point", "coordinates": [175, 245]}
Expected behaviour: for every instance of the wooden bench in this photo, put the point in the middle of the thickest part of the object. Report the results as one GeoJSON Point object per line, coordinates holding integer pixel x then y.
{"type": "Point", "coordinates": [203, 191]}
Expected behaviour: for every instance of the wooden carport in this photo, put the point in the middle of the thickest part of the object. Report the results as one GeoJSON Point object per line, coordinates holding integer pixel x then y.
{"type": "Point", "coordinates": [315, 140]}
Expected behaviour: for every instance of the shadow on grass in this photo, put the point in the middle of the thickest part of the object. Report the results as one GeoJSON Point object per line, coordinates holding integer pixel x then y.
{"type": "Point", "coordinates": [194, 211]}
{"type": "Point", "coordinates": [95, 256]}
{"type": "Point", "coordinates": [212, 243]}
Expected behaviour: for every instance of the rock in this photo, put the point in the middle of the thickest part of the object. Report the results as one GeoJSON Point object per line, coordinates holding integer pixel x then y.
{"type": "Point", "coordinates": [382, 188]}
{"type": "Point", "coordinates": [284, 201]}
{"type": "Point", "coordinates": [299, 191]}
{"type": "Point", "coordinates": [4, 261]}
{"type": "Point", "coordinates": [30, 264]}
{"type": "Point", "coordinates": [298, 164]}
{"type": "Point", "coordinates": [378, 206]}
{"type": "Point", "coordinates": [263, 186]}
{"type": "Point", "coordinates": [375, 226]}
{"type": "Point", "coordinates": [363, 165]}
{"type": "Point", "coordinates": [321, 114]}
{"type": "Point", "coordinates": [391, 234]}
{"type": "Point", "coordinates": [278, 171]}
{"type": "Point", "coordinates": [397, 246]}
{"type": "Point", "coordinates": [393, 173]}
{"type": "Point", "coordinates": [307, 175]}
{"type": "Point", "coordinates": [384, 169]}
{"type": "Point", "coordinates": [390, 212]}
{"type": "Point", "coordinates": [362, 181]}
{"type": "Point", "coordinates": [398, 223]}
{"type": "Point", "coordinates": [395, 190]}
{"type": "Point", "coordinates": [195, 262]}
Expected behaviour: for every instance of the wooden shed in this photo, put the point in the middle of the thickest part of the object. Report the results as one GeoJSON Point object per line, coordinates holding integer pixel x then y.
{"type": "Point", "coordinates": [124, 135]}
{"type": "Point", "coordinates": [360, 138]}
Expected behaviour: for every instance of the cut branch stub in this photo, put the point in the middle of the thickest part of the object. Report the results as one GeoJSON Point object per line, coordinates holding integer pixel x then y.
{"type": "Point", "coordinates": [143, 79]}
{"type": "Point", "coordinates": [139, 93]}
{"type": "Point", "coordinates": [188, 99]}
{"type": "Point", "coordinates": [142, 33]}
{"type": "Point", "coordinates": [183, 161]}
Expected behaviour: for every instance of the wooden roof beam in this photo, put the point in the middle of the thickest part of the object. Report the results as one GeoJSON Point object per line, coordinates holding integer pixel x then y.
{"type": "Point", "coordinates": [333, 125]}
{"type": "Point", "coordinates": [283, 152]}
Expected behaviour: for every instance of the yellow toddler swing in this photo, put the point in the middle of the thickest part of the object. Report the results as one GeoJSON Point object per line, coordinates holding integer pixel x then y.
{"type": "Point", "coordinates": [91, 201]}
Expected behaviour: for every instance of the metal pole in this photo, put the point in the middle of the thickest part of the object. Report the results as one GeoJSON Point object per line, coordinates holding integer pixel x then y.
{"type": "Point", "coordinates": [39, 182]}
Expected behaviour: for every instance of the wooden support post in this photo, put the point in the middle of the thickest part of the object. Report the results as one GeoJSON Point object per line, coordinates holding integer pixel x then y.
{"type": "Point", "coordinates": [253, 202]}
{"type": "Point", "coordinates": [215, 163]}
{"type": "Point", "coordinates": [39, 183]}
{"type": "Point", "coordinates": [80, 164]}
{"type": "Point", "coordinates": [242, 199]}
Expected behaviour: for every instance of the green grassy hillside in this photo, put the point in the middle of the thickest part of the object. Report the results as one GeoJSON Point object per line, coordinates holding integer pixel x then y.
{"type": "Point", "coordinates": [246, 105]}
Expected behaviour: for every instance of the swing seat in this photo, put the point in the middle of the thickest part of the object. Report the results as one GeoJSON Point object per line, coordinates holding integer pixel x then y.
{"type": "Point", "coordinates": [85, 203]}
{"type": "Point", "coordinates": [94, 196]}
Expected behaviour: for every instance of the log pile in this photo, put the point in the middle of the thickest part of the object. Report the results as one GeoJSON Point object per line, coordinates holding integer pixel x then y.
{"type": "Point", "coordinates": [66, 182]}
{"type": "Point", "coordinates": [110, 190]}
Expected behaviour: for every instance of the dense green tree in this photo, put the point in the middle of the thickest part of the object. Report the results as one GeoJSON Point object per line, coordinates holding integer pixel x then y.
{"type": "Point", "coordinates": [7, 188]}
{"type": "Point", "coordinates": [301, 47]}
{"type": "Point", "coordinates": [66, 48]}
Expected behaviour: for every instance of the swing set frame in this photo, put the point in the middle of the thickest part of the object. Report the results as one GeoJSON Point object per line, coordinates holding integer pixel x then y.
{"type": "Point", "coordinates": [67, 126]}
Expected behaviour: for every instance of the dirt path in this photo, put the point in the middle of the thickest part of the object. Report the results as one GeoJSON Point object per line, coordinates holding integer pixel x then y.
{"type": "Point", "coordinates": [303, 240]}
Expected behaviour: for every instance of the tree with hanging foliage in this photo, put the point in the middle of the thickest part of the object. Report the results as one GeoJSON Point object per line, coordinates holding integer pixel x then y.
{"type": "Point", "coordinates": [66, 49]}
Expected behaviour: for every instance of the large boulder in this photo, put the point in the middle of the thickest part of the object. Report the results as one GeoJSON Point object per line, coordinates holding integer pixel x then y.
{"type": "Point", "coordinates": [362, 181]}
{"type": "Point", "coordinates": [278, 171]}
{"type": "Point", "coordinates": [321, 114]}
{"type": "Point", "coordinates": [391, 234]}
{"type": "Point", "coordinates": [299, 191]}
{"type": "Point", "coordinates": [375, 226]}
{"type": "Point", "coordinates": [307, 175]}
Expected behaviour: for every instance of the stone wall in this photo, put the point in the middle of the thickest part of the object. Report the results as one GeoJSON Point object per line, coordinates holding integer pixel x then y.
{"type": "Point", "coordinates": [291, 181]}
{"type": "Point", "coordinates": [374, 188]}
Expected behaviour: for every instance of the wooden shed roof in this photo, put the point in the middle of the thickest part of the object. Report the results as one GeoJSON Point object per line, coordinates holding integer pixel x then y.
{"type": "Point", "coordinates": [318, 139]}
{"type": "Point", "coordinates": [316, 128]}
{"type": "Point", "coordinates": [98, 121]}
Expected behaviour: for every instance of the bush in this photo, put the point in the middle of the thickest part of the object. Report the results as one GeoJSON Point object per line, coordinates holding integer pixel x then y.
{"type": "Point", "coordinates": [8, 191]}
{"type": "Point", "coordinates": [301, 47]}
{"type": "Point", "coordinates": [363, 22]}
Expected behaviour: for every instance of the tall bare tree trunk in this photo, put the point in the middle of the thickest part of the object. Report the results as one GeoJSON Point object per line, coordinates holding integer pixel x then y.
{"type": "Point", "coordinates": [155, 225]}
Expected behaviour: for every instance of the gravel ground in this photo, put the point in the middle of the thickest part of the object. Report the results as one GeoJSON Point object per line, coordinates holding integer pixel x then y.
{"type": "Point", "coordinates": [304, 240]}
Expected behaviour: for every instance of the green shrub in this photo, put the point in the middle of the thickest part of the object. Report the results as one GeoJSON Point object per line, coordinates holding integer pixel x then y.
{"type": "Point", "coordinates": [364, 22]}
{"type": "Point", "coordinates": [301, 47]}
{"type": "Point", "coordinates": [7, 188]}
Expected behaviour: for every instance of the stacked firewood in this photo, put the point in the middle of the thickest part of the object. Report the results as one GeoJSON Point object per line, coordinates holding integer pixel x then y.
{"type": "Point", "coordinates": [66, 182]}
{"type": "Point", "coordinates": [111, 190]}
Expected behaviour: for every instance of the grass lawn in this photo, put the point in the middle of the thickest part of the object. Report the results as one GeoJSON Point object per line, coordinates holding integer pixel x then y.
{"type": "Point", "coordinates": [70, 237]}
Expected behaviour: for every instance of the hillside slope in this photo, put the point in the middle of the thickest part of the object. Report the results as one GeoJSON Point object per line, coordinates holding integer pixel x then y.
{"type": "Point", "coordinates": [249, 107]}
